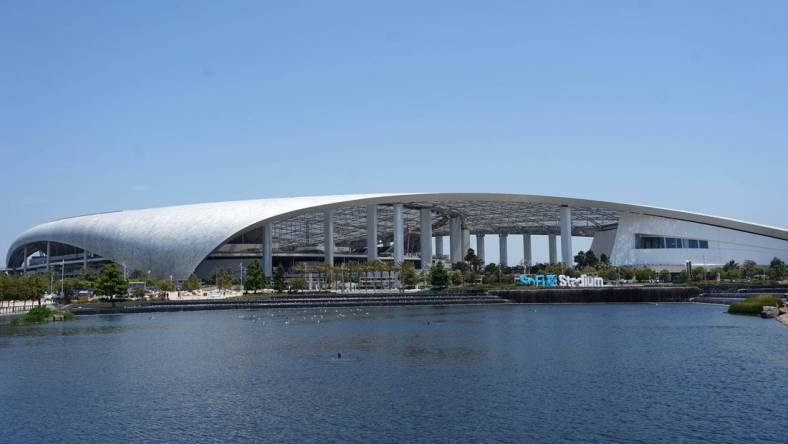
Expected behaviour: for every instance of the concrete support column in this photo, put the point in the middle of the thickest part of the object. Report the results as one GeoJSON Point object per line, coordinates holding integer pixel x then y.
{"type": "Point", "coordinates": [399, 235]}
{"type": "Point", "coordinates": [84, 258]}
{"type": "Point", "coordinates": [425, 236]}
{"type": "Point", "coordinates": [466, 243]}
{"type": "Point", "coordinates": [49, 255]}
{"type": "Point", "coordinates": [455, 239]}
{"type": "Point", "coordinates": [328, 236]}
{"type": "Point", "coordinates": [502, 249]}
{"type": "Point", "coordinates": [439, 246]}
{"type": "Point", "coordinates": [552, 248]}
{"type": "Point", "coordinates": [480, 246]}
{"type": "Point", "coordinates": [372, 233]}
{"type": "Point", "coordinates": [268, 249]}
{"type": "Point", "coordinates": [527, 250]}
{"type": "Point", "coordinates": [566, 236]}
{"type": "Point", "coordinates": [24, 260]}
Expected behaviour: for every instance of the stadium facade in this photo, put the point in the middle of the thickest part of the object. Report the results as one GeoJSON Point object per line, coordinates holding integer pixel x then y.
{"type": "Point", "coordinates": [177, 241]}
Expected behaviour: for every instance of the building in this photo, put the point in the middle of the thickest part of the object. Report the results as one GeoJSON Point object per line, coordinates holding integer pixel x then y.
{"type": "Point", "coordinates": [174, 242]}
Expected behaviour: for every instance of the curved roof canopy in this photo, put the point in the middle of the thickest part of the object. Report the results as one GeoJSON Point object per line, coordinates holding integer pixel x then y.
{"type": "Point", "coordinates": [174, 240]}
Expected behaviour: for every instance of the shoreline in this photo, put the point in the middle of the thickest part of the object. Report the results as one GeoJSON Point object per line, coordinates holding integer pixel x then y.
{"type": "Point", "coordinates": [323, 300]}
{"type": "Point", "coordinates": [119, 311]}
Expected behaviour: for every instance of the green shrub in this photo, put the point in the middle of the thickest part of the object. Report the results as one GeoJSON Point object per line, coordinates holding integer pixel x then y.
{"type": "Point", "coordinates": [754, 304]}
{"type": "Point", "coordinates": [38, 314]}
{"type": "Point", "coordinates": [41, 314]}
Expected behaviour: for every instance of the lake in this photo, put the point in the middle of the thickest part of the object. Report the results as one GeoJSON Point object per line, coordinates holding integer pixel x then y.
{"type": "Point", "coordinates": [511, 373]}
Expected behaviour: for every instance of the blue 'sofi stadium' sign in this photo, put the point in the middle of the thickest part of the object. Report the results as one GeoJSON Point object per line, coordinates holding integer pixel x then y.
{"type": "Point", "coordinates": [559, 280]}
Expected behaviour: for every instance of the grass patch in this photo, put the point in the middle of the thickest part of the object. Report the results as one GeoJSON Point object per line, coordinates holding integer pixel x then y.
{"type": "Point", "coordinates": [754, 304]}
{"type": "Point", "coordinates": [41, 314]}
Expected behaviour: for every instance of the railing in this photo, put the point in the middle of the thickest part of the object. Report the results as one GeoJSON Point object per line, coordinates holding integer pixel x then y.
{"type": "Point", "coordinates": [14, 307]}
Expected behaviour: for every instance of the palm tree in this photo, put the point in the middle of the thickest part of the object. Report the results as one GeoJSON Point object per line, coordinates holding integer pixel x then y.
{"type": "Point", "coordinates": [378, 267]}
{"type": "Point", "coordinates": [322, 270]}
{"type": "Point", "coordinates": [303, 270]}
{"type": "Point", "coordinates": [390, 266]}
{"type": "Point", "coordinates": [353, 268]}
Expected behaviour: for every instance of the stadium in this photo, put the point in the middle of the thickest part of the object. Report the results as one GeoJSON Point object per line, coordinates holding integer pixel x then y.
{"type": "Point", "coordinates": [175, 242]}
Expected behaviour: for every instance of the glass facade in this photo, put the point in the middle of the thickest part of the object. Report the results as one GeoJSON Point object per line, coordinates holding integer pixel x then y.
{"type": "Point", "coordinates": [644, 241]}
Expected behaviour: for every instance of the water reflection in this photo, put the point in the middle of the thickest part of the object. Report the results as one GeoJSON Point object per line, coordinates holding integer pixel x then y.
{"type": "Point", "coordinates": [508, 373]}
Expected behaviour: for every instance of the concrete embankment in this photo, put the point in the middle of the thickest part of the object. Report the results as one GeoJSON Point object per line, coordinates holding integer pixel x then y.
{"type": "Point", "coordinates": [599, 295]}
{"type": "Point", "coordinates": [716, 294]}
{"type": "Point", "coordinates": [318, 300]}
{"type": "Point", "coordinates": [720, 298]}
{"type": "Point", "coordinates": [299, 301]}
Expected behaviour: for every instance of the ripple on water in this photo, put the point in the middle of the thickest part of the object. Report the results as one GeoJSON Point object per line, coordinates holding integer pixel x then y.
{"type": "Point", "coordinates": [613, 373]}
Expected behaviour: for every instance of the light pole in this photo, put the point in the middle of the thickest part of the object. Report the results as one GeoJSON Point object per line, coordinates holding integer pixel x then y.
{"type": "Point", "coordinates": [242, 274]}
{"type": "Point", "coordinates": [62, 277]}
{"type": "Point", "coordinates": [704, 267]}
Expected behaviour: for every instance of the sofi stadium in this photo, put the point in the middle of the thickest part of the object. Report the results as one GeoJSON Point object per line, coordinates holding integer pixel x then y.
{"type": "Point", "coordinates": [174, 242]}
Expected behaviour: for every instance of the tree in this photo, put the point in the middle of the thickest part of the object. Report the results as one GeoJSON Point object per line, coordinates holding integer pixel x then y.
{"type": "Point", "coordinates": [69, 285]}
{"type": "Point", "coordinates": [30, 287]}
{"type": "Point", "coordinates": [439, 277]}
{"type": "Point", "coordinates": [491, 268]}
{"type": "Point", "coordinates": [603, 259]}
{"type": "Point", "coordinates": [626, 273]}
{"type": "Point", "coordinates": [138, 292]}
{"type": "Point", "coordinates": [733, 272]}
{"type": "Point", "coordinates": [192, 284]}
{"type": "Point", "coordinates": [664, 275]}
{"type": "Point", "coordinates": [111, 283]}
{"type": "Point", "coordinates": [224, 279]}
{"type": "Point", "coordinates": [698, 273]}
{"type": "Point", "coordinates": [749, 269]}
{"type": "Point", "coordinates": [587, 259]}
{"type": "Point", "coordinates": [580, 259]}
{"type": "Point", "coordinates": [730, 265]}
{"type": "Point", "coordinates": [255, 278]}
{"type": "Point", "coordinates": [776, 269]}
{"type": "Point", "coordinates": [461, 266]}
{"type": "Point", "coordinates": [591, 259]}
{"type": "Point", "coordinates": [473, 260]}
{"type": "Point", "coordinates": [298, 284]}
{"type": "Point", "coordinates": [408, 274]}
{"type": "Point", "coordinates": [164, 285]}
{"type": "Point", "coordinates": [279, 279]}
{"type": "Point", "coordinates": [610, 274]}
{"type": "Point", "coordinates": [137, 275]}
{"type": "Point", "coordinates": [390, 267]}
{"type": "Point", "coordinates": [85, 279]}
{"type": "Point", "coordinates": [644, 274]}
{"type": "Point", "coordinates": [455, 277]}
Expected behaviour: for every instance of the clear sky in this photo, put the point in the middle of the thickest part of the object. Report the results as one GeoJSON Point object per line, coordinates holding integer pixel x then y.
{"type": "Point", "coordinates": [111, 105]}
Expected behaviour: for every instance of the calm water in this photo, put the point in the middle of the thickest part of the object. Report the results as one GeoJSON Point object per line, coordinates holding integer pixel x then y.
{"type": "Point", "coordinates": [616, 373]}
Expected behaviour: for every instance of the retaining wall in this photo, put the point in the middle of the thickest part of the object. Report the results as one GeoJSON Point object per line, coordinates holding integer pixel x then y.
{"type": "Point", "coordinates": [599, 295]}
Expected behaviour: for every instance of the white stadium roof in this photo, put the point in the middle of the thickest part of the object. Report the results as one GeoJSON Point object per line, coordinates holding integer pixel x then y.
{"type": "Point", "coordinates": [175, 240]}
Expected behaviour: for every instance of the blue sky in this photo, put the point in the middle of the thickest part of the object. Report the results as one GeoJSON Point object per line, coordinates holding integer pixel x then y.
{"type": "Point", "coordinates": [110, 105]}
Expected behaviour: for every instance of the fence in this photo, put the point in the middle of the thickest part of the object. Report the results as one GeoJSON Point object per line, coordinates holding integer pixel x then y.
{"type": "Point", "coordinates": [14, 307]}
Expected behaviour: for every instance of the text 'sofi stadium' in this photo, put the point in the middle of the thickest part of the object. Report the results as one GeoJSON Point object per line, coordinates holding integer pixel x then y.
{"type": "Point", "coordinates": [178, 241]}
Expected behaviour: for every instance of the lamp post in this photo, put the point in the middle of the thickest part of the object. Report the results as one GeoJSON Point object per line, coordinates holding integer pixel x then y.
{"type": "Point", "coordinates": [704, 267]}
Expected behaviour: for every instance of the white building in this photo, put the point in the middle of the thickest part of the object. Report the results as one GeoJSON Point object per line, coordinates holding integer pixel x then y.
{"type": "Point", "coordinates": [181, 240]}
